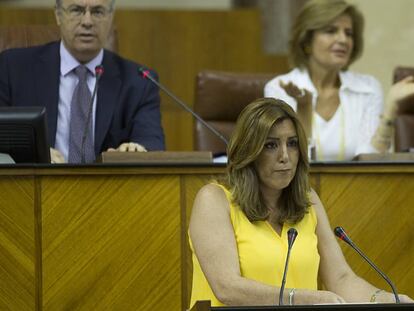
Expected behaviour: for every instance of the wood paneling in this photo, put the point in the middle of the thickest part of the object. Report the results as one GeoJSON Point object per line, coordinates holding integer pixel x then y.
{"type": "Point", "coordinates": [179, 44]}
{"type": "Point", "coordinates": [376, 209]}
{"type": "Point", "coordinates": [115, 237]}
{"type": "Point", "coordinates": [111, 243]}
{"type": "Point", "coordinates": [17, 244]}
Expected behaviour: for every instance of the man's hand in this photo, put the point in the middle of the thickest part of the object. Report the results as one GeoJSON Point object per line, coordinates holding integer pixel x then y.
{"type": "Point", "coordinates": [56, 156]}
{"type": "Point", "coordinates": [129, 147]}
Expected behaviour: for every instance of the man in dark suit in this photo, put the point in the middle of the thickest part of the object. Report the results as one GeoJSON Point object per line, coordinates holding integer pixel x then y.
{"type": "Point", "coordinates": [126, 114]}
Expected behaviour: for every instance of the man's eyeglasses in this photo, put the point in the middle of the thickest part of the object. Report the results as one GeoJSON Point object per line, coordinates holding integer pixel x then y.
{"type": "Point", "coordinates": [98, 13]}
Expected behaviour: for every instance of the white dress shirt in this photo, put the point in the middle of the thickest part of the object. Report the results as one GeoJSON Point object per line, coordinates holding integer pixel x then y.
{"type": "Point", "coordinates": [349, 132]}
{"type": "Point", "coordinates": [67, 84]}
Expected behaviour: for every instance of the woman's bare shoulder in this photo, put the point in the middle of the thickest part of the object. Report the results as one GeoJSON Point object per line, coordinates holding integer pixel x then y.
{"type": "Point", "coordinates": [211, 195]}
{"type": "Point", "coordinates": [211, 190]}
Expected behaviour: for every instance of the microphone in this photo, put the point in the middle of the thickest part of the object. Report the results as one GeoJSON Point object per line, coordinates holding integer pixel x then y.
{"type": "Point", "coordinates": [147, 75]}
{"type": "Point", "coordinates": [292, 234]}
{"type": "Point", "coordinates": [341, 234]}
{"type": "Point", "coordinates": [99, 71]}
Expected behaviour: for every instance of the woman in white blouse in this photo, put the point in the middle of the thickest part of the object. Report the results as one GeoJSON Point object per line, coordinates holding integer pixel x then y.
{"type": "Point", "coordinates": [341, 110]}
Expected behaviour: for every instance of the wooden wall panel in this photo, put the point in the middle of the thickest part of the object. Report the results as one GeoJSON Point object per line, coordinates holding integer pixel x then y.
{"type": "Point", "coordinates": [13, 16]}
{"type": "Point", "coordinates": [375, 209]}
{"type": "Point", "coordinates": [116, 237]}
{"type": "Point", "coordinates": [111, 243]}
{"type": "Point", "coordinates": [17, 244]}
{"type": "Point", "coordinates": [179, 44]}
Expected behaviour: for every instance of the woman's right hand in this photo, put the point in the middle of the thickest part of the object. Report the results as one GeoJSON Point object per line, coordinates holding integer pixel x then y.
{"type": "Point", "coordinates": [302, 96]}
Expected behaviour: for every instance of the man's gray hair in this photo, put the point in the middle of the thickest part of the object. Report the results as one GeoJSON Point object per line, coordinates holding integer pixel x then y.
{"type": "Point", "coordinates": [59, 4]}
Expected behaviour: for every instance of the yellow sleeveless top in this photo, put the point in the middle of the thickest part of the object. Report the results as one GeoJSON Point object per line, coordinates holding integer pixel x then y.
{"type": "Point", "coordinates": [262, 253]}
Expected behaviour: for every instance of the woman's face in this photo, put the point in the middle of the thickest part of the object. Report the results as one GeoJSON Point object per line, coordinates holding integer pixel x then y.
{"type": "Point", "coordinates": [331, 46]}
{"type": "Point", "coordinates": [276, 164]}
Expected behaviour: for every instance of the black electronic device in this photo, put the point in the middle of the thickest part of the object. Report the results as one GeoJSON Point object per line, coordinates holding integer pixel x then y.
{"type": "Point", "coordinates": [23, 134]}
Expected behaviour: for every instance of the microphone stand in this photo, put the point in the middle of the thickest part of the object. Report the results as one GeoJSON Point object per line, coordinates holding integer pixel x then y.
{"type": "Point", "coordinates": [146, 74]}
{"type": "Point", "coordinates": [292, 234]}
{"type": "Point", "coordinates": [341, 234]}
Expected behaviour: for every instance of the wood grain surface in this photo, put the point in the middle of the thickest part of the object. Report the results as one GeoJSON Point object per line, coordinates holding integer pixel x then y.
{"type": "Point", "coordinates": [115, 237]}
{"type": "Point", "coordinates": [17, 243]}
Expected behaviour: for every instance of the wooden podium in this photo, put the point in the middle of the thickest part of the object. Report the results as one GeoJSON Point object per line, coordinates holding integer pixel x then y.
{"type": "Point", "coordinates": [171, 157]}
{"type": "Point", "coordinates": [114, 236]}
{"type": "Point", "coordinates": [206, 306]}
{"type": "Point", "coordinates": [386, 157]}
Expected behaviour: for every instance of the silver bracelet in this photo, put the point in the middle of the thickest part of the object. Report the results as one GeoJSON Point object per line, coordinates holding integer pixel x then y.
{"type": "Point", "coordinates": [375, 294]}
{"type": "Point", "coordinates": [292, 296]}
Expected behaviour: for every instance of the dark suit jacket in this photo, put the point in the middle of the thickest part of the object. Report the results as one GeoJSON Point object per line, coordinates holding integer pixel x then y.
{"type": "Point", "coordinates": [128, 106]}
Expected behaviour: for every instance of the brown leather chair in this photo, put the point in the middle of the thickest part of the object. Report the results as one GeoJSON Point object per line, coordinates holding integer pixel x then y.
{"type": "Point", "coordinates": [404, 123]}
{"type": "Point", "coordinates": [219, 98]}
{"type": "Point", "coordinates": [29, 35]}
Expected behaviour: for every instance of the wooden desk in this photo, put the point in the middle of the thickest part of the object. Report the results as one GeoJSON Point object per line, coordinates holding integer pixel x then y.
{"type": "Point", "coordinates": [115, 237]}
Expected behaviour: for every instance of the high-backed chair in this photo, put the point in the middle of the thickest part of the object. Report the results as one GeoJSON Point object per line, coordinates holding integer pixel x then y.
{"type": "Point", "coordinates": [404, 122]}
{"type": "Point", "coordinates": [219, 99]}
{"type": "Point", "coordinates": [29, 35]}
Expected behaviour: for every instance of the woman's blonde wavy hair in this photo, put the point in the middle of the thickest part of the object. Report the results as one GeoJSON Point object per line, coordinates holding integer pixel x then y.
{"type": "Point", "coordinates": [246, 143]}
{"type": "Point", "coordinates": [317, 14]}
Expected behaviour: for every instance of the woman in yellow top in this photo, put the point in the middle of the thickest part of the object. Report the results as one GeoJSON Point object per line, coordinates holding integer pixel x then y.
{"type": "Point", "coordinates": [238, 228]}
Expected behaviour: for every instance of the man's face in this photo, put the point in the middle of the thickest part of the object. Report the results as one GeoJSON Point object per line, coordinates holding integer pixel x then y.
{"type": "Point", "coordinates": [84, 26]}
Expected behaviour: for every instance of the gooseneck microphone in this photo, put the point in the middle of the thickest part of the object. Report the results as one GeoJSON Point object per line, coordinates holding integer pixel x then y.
{"type": "Point", "coordinates": [291, 234]}
{"type": "Point", "coordinates": [341, 234]}
{"type": "Point", "coordinates": [99, 71]}
{"type": "Point", "coordinates": [147, 75]}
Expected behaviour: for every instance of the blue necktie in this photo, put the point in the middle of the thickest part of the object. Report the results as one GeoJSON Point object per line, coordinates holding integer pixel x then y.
{"type": "Point", "coordinates": [78, 121]}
